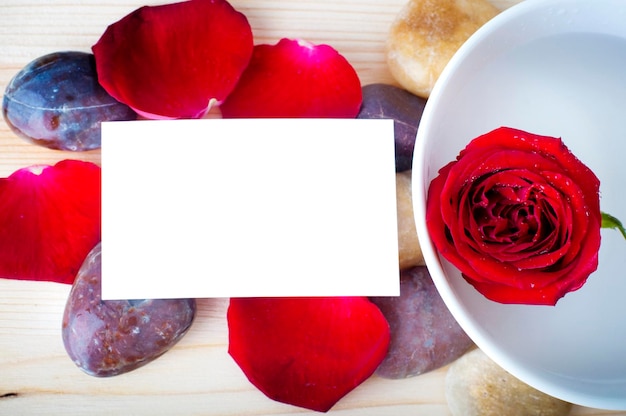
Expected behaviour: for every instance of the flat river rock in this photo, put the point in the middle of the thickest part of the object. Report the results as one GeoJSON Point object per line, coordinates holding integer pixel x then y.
{"type": "Point", "coordinates": [424, 334]}
{"type": "Point", "coordinates": [107, 338]}
{"type": "Point", "coordinates": [477, 386]}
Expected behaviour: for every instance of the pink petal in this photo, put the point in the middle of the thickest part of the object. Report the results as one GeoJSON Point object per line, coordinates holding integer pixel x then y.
{"type": "Point", "coordinates": [174, 60]}
{"type": "Point", "coordinates": [49, 220]}
{"type": "Point", "coordinates": [295, 79]}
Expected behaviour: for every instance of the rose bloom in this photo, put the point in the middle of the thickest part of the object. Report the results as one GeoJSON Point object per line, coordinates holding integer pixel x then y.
{"type": "Point", "coordinates": [519, 215]}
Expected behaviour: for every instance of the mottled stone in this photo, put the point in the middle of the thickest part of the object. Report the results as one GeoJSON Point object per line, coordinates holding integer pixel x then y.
{"type": "Point", "coordinates": [56, 102]}
{"type": "Point", "coordinates": [424, 334]}
{"type": "Point", "coordinates": [477, 386]}
{"type": "Point", "coordinates": [405, 109]}
{"type": "Point", "coordinates": [107, 338]}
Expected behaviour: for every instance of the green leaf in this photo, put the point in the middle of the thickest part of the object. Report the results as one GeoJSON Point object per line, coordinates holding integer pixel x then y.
{"type": "Point", "coordinates": [609, 221]}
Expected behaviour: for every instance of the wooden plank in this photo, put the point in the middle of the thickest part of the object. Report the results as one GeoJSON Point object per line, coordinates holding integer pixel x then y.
{"type": "Point", "coordinates": [197, 377]}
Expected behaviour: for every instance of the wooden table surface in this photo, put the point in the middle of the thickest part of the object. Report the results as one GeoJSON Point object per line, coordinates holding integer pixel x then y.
{"type": "Point", "coordinates": [197, 377]}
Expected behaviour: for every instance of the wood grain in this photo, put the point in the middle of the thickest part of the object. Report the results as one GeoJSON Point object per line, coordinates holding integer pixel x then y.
{"type": "Point", "coordinates": [197, 377]}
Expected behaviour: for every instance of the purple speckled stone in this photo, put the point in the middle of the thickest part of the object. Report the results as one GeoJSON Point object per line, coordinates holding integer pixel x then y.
{"type": "Point", "coordinates": [424, 334]}
{"type": "Point", "coordinates": [56, 102]}
{"type": "Point", "coordinates": [107, 338]}
{"type": "Point", "coordinates": [391, 102]}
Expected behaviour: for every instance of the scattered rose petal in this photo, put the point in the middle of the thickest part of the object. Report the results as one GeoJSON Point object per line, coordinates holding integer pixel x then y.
{"type": "Point", "coordinates": [295, 79]}
{"type": "Point", "coordinates": [49, 220]}
{"type": "Point", "coordinates": [174, 60]}
{"type": "Point", "coordinates": [308, 352]}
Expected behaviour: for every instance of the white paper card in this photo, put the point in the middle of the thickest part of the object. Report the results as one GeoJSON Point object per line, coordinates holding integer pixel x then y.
{"type": "Point", "coordinates": [248, 207]}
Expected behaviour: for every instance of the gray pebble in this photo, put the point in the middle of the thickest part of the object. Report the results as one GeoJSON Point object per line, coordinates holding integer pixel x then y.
{"type": "Point", "coordinates": [424, 334]}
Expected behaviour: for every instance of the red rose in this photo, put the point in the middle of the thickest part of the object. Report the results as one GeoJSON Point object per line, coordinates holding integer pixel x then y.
{"type": "Point", "coordinates": [519, 215]}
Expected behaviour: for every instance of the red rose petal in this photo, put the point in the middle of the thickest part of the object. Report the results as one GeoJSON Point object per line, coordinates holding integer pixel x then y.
{"type": "Point", "coordinates": [537, 257]}
{"type": "Point", "coordinates": [308, 352]}
{"type": "Point", "coordinates": [174, 60]}
{"type": "Point", "coordinates": [49, 220]}
{"type": "Point", "coordinates": [295, 79]}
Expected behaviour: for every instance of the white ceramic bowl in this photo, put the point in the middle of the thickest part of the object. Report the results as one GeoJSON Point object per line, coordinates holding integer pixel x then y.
{"type": "Point", "coordinates": [557, 68]}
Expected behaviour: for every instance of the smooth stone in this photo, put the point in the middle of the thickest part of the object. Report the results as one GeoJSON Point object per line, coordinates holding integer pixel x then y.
{"type": "Point", "coordinates": [477, 386]}
{"type": "Point", "coordinates": [409, 249]}
{"type": "Point", "coordinates": [107, 338]}
{"type": "Point", "coordinates": [424, 334]}
{"type": "Point", "coordinates": [56, 101]}
{"type": "Point", "coordinates": [391, 102]}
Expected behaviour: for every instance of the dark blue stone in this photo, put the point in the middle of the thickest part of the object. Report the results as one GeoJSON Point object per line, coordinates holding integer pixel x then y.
{"type": "Point", "coordinates": [56, 101]}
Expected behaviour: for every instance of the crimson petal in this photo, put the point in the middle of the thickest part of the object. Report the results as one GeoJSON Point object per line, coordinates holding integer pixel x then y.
{"type": "Point", "coordinates": [308, 352]}
{"type": "Point", "coordinates": [49, 220]}
{"type": "Point", "coordinates": [295, 79]}
{"type": "Point", "coordinates": [174, 60]}
{"type": "Point", "coordinates": [535, 257]}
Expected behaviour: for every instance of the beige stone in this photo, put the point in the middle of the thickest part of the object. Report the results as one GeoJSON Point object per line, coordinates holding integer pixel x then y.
{"type": "Point", "coordinates": [477, 386]}
{"type": "Point", "coordinates": [409, 250]}
{"type": "Point", "coordinates": [425, 35]}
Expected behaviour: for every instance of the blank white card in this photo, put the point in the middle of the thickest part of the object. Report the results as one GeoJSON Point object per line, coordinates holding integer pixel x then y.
{"type": "Point", "coordinates": [248, 207]}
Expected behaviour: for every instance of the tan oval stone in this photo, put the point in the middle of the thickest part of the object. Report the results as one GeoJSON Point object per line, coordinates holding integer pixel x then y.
{"type": "Point", "coordinates": [409, 250]}
{"type": "Point", "coordinates": [425, 35]}
{"type": "Point", "coordinates": [477, 386]}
